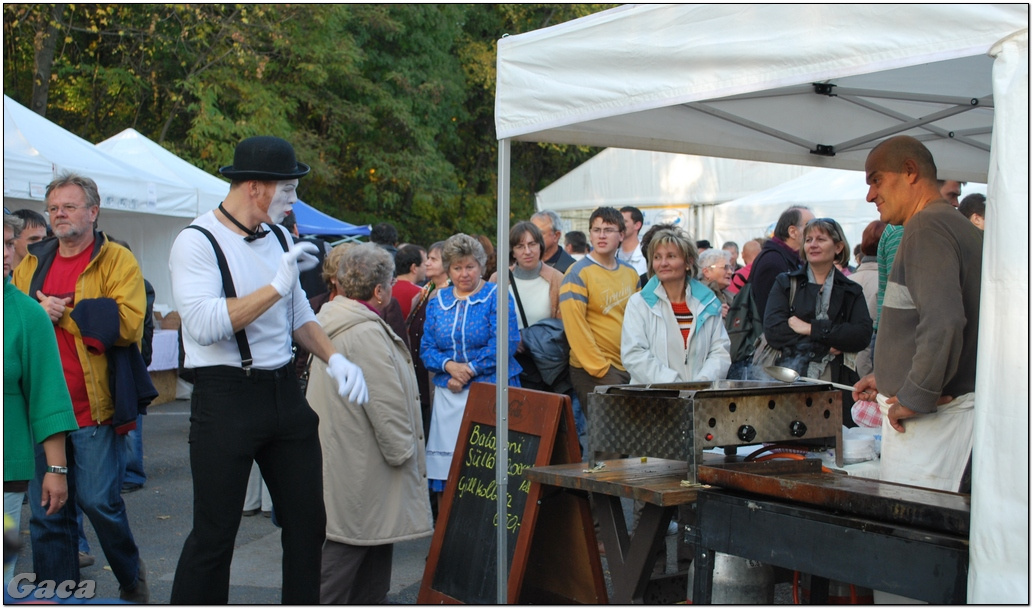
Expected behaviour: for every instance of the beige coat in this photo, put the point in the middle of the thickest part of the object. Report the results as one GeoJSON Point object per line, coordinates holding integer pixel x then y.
{"type": "Point", "coordinates": [374, 471]}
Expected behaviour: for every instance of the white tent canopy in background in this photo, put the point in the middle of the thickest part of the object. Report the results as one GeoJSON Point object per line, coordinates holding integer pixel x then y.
{"type": "Point", "coordinates": [775, 82]}
{"type": "Point", "coordinates": [831, 193]}
{"type": "Point", "coordinates": [683, 184]}
{"type": "Point", "coordinates": [138, 205]}
{"type": "Point", "coordinates": [132, 147]}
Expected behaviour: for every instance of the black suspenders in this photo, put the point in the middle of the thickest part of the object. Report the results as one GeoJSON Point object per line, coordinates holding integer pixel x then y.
{"type": "Point", "coordinates": [227, 287]}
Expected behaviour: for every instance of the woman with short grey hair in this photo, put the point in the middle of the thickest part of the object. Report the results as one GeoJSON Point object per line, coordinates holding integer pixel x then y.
{"type": "Point", "coordinates": [373, 454]}
{"type": "Point", "coordinates": [715, 271]}
{"type": "Point", "coordinates": [463, 246]}
{"type": "Point", "coordinates": [458, 347]}
{"type": "Point", "coordinates": [362, 269]}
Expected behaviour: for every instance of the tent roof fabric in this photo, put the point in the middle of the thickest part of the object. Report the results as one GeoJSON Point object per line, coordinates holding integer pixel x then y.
{"type": "Point", "coordinates": [311, 221]}
{"type": "Point", "coordinates": [698, 79]}
{"type": "Point", "coordinates": [643, 178]}
{"type": "Point", "coordinates": [140, 151]}
{"type": "Point", "coordinates": [37, 150]}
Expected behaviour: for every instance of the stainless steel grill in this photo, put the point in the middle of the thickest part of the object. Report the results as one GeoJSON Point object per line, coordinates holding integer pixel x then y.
{"type": "Point", "coordinates": [681, 420]}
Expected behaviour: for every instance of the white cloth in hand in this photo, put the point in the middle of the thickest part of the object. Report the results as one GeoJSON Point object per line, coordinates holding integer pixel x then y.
{"type": "Point", "coordinates": [300, 257]}
{"type": "Point", "coordinates": [350, 382]}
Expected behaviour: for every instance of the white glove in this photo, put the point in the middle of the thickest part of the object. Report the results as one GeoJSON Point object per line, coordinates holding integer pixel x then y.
{"type": "Point", "coordinates": [301, 257]}
{"type": "Point", "coordinates": [350, 382]}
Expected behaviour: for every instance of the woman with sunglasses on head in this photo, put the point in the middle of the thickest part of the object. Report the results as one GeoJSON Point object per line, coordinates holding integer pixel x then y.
{"type": "Point", "coordinates": [827, 322]}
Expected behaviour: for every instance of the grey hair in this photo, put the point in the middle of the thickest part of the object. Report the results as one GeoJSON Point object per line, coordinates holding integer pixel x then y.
{"type": "Point", "coordinates": [362, 268]}
{"type": "Point", "coordinates": [15, 223]}
{"type": "Point", "coordinates": [554, 219]}
{"type": "Point", "coordinates": [88, 186]}
{"type": "Point", "coordinates": [711, 257]}
{"type": "Point", "coordinates": [460, 246]}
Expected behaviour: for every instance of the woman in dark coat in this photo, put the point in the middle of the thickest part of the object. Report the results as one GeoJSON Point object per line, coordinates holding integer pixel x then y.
{"type": "Point", "coordinates": [827, 323]}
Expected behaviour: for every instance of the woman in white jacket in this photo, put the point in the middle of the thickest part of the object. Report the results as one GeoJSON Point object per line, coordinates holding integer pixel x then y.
{"type": "Point", "coordinates": [673, 331]}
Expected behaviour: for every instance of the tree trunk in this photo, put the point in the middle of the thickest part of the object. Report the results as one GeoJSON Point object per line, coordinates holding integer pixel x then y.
{"type": "Point", "coordinates": [45, 46]}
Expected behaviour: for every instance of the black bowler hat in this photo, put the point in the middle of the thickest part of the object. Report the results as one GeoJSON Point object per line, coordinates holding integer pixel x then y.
{"type": "Point", "coordinates": [264, 157]}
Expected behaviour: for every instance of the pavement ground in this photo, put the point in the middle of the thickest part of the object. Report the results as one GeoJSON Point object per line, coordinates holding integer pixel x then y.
{"type": "Point", "coordinates": [160, 517]}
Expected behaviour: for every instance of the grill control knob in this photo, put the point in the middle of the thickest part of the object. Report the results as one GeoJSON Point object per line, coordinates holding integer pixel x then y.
{"type": "Point", "coordinates": [747, 433]}
{"type": "Point", "coordinates": [797, 429]}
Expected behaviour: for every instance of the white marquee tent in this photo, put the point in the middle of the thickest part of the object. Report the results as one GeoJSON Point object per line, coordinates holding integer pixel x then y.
{"type": "Point", "coordinates": [831, 193]}
{"type": "Point", "coordinates": [138, 151]}
{"type": "Point", "coordinates": [665, 186]}
{"type": "Point", "coordinates": [820, 85]}
{"type": "Point", "coordinates": [141, 206]}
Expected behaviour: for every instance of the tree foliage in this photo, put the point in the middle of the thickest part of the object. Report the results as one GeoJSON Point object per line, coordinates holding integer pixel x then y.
{"type": "Point", "coordinates": [391, 104]}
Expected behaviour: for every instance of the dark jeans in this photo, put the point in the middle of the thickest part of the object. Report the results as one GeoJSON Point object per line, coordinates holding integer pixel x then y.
{"type": "Point", "coordinates": [134, 455]}
{"type": "Point", "coordinates": [96, 458]}
{"type": "Point", "coordinates": [236, 420]}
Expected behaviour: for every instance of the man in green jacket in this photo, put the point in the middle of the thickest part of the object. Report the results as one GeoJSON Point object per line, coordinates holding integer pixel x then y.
{"type": "Point", "coordinates": [37, 408]}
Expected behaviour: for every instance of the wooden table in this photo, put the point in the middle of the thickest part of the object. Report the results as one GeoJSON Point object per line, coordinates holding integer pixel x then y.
{"type": "Point", "coordinates": [657, 483]}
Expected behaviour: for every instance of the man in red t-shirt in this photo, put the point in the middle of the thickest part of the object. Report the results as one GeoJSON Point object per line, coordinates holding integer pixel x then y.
{"type": "Point", "coordinates": [82, 265]}
{"type": "Point", "coordinates": [411, 272]}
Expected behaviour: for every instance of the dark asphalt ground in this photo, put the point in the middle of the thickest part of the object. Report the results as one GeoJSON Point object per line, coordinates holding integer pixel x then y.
{"type": "Point", "coordinates": [160, 517]}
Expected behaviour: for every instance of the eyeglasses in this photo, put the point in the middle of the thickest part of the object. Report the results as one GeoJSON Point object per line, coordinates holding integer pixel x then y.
{"type": "Point", "coordinates": [825, 220]}
{"type": "Point", "coordinates": [727, 267]}
{"type": "Point", "coordinates": [68, 209]}
{"type": "Point", "coordinates": [604, 231]}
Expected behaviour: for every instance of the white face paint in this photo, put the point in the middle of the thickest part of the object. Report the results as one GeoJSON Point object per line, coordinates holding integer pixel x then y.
{"type": "Point", "coordinates": [283, 200]}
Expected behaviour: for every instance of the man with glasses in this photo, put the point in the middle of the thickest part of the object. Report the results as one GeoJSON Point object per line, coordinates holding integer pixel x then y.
{"type": "Point", "coordinates": [82, 268]}
{"type": "Point", "coordinates": [593, 295]}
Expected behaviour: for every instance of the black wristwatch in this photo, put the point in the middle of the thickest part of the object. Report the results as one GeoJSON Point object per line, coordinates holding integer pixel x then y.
{"type": "Point", "coordinates": [57, 469]}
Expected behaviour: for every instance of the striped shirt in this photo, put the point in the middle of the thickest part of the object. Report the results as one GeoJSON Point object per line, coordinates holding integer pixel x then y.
{"type": "Point", "coordinates": [592, 301]}
{"type": "Point", "coordinates": [685, 320]}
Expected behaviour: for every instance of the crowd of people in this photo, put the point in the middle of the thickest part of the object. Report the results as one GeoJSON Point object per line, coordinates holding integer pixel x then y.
{"type": "Point", "coordinates": [337, 378]}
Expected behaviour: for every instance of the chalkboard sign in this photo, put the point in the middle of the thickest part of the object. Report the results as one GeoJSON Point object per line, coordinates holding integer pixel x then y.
{"type": "Point", "coordinates": [462, 573]}
{"type": "Point", "coordinates": [461, 567]}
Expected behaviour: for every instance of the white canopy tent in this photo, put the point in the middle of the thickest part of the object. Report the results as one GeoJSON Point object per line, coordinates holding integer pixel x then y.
{"type": "Point", "coordinates": [136, 150]}
{"type": "Point", "coordinates": [820, 85]}
{"type": "Point", "coordinates": [667, 187]}
{"type": "Point", "coordinates": [138, 205]}
{"type": "Point", "coordinates": [831, 193]}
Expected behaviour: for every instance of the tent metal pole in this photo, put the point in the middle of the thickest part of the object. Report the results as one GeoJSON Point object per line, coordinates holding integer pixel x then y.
{"type": "Point", "coordinates": [502, 374]}
{"type": "Point", "coordinates": [940, 131]}
{"type": "Point", "coordinates": [950, 100]}
{"type": "Point", "coordinates": [738, 120]}
{"type": "Point", "coordinates": [901, 128]}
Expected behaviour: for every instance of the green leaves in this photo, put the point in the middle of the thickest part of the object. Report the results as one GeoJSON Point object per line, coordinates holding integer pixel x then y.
{"type": "Point", "coordinates": [391, 104]}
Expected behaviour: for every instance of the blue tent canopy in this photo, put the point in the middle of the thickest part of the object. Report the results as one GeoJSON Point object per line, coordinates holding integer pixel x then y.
{"type": "Point", "coordinates": [311, 221]}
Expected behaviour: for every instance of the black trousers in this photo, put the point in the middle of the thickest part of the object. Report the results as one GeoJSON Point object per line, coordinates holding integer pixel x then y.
{"type": "Point", "coordinates": [234, 420]}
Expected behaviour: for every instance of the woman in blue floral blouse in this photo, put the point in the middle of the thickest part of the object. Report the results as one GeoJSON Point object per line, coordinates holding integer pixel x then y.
{"type": "Point", "coordinates": [458, 347]}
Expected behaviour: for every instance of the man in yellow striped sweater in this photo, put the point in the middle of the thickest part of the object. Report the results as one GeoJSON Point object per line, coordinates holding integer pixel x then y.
{"type": "Point", "coordinates": [593, 295]}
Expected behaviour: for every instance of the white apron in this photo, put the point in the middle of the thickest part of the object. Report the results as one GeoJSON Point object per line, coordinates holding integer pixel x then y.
{"type": "Point", "coordinates": [445, 420]}
{"type": "Point", "coordinates": [934, 449]}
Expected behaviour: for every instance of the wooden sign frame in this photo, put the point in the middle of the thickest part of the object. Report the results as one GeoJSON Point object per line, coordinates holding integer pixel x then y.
{"type": "Point", "coordinates": [555, 575]}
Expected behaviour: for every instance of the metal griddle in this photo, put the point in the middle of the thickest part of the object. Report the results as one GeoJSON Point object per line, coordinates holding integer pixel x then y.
{"type": "Point", "coordinates": [680, 420]}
